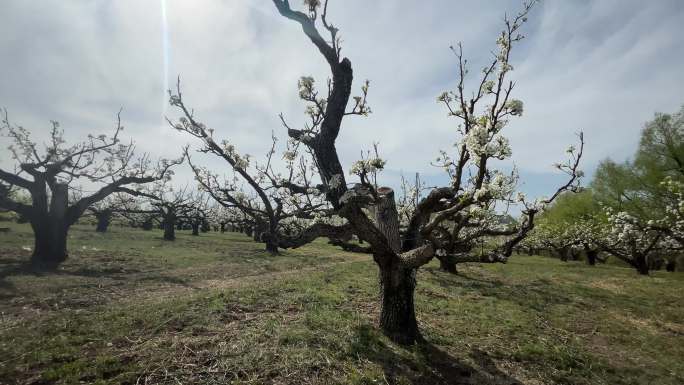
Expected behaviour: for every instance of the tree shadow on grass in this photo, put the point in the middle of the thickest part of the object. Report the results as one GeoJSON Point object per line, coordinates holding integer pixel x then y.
{"type": "Point", "coordinates": [425, 363]}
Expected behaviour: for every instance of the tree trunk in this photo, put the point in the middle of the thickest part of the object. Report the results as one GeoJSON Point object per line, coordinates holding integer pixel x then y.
{"type": "Point", "coordinates": [397, 313]}
{"type": "Point", "coordinates": [271, 237]}
{"type": "Point", "coordinates": [272, 245]}
{"type": "Point", "coordinates": [50, 232]}
{"type": "Point", "coordinates": [195, 228]}
{"type": "Point", "coordinates": [641, 264]}
{"type": "Point", "coordinates": [447, 266]}
{"type": "Point", "coordinates": [256, 233]}
{"type": "Point", "coordinates": [671, 266]}
{"type": "Point", "coordinates": [574, 254]}
{"type": "Point", "coordinates": [103, 220]}
{"type": "Point", "coordinates": [50, 245]}
{"type": "Point", "coordinates": [591, 256]}
{"type": "Point", "coordinates": [147, 225]}
{"type": "Point", "coordinates": [170, 227]}
{"type": "Point", "coordinates": [223, 227]}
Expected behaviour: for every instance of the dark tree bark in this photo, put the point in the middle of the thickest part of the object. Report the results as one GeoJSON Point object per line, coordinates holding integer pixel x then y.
{"type": "Point", "coordinates": [591, 255]}
{"type": "Point", "coordinates": [50, 231]}
{"type": "Point", "coordinates": [147, 225]}
{"type": "Point", "coordinates": [671, 265]}
{"type": "Point", "coordinates": [256, 233]}
{"type": "Point", "coordinates": [170, 226]}
{"type": "Point", "coordinates": [195, 228]}
{"type": "Point", "coordinates": [397, 283]}
{"type": "Point", "coordinates": [103, 219]}
{"type": "Point", "coordinates": [640, 263]}
{"type": "Point", "coordinates": [562, 253]}
{"type": "Point", "coordinates": [447, 266]}
{"type": "Point", "coordinates": [397, 314]}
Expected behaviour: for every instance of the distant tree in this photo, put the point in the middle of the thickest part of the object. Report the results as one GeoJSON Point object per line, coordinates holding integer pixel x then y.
{"type": "Point", "coordinates": [198, 212]}
{"type": "Point", "coordinates": [642, 198]}
{"type": "Point", "coordinates": [111, 207]}
{"type": "Point", "coordinates": [575, 222]}
{"type": "Point", "coordinates": [49, 176]}
{"type": "Point", "coordinates": [171, 204]}
{"type": "Point", "coordinates": [277, 197]}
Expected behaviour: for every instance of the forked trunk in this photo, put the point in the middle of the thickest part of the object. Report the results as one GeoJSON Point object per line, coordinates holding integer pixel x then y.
{"type": "Point", "coordinates": [50, 232]}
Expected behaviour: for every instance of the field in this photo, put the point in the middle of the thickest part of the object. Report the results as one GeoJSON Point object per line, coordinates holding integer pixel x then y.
{"type": "Point", "coordinates": [129, 308]}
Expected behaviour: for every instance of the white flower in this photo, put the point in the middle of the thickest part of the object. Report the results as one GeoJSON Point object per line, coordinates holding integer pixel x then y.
{"type": "Point", "coordinates": [515, 107]}
{"type": "Point", "coordinates": [480, 193]}
{"type": "Point", "coordinates": [367, 166]}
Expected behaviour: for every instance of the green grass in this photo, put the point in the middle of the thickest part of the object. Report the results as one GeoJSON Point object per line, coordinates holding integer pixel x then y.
{"type": "Point", "coordinates": [217, 309]}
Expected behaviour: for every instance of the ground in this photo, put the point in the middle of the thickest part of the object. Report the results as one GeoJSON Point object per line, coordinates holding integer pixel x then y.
{"type": "Point", "coordinates": [129, 308]}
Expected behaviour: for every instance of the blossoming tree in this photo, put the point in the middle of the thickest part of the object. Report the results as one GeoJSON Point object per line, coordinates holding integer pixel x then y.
{"type": "Point", "coordinates": [49, 174]}
{"type": "Point", "coordinates": [474, 186]}
{"type": "Point", "coordinates": [270, 198]}
{"type": "Point", "coordinates": [642, 198]}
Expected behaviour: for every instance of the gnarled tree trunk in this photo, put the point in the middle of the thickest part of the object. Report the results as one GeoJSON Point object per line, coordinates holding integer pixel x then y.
{"type": "Point", "coordinates": [397, 283]}
{"type": "Point", "coordinates": [397, 314]}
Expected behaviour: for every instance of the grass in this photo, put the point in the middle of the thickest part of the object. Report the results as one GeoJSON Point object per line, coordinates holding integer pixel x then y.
{"type": "Point", "coordinates": [129, 308]}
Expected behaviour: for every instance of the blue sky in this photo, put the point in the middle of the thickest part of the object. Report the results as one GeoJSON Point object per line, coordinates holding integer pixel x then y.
{"type": "Point", "coordinates": [603, 67]}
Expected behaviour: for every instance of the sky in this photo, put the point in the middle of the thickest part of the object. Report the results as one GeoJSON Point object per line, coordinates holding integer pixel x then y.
{"type": "Point", "coordinates": [602, 67]}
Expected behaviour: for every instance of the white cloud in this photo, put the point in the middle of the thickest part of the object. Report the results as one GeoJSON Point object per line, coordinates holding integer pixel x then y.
{"type": "Point", "coordinates": [601, 66]}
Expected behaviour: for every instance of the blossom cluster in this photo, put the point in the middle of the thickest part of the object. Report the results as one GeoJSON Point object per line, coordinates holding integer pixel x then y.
{"type": "Point", "coordinates": [367, 166]}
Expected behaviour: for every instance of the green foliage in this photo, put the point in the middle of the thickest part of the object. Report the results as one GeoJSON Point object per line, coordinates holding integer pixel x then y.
{"type": "Point", "coordinates": [571, 207]}
{"type": "Point", "coordinates": [636, 186]}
